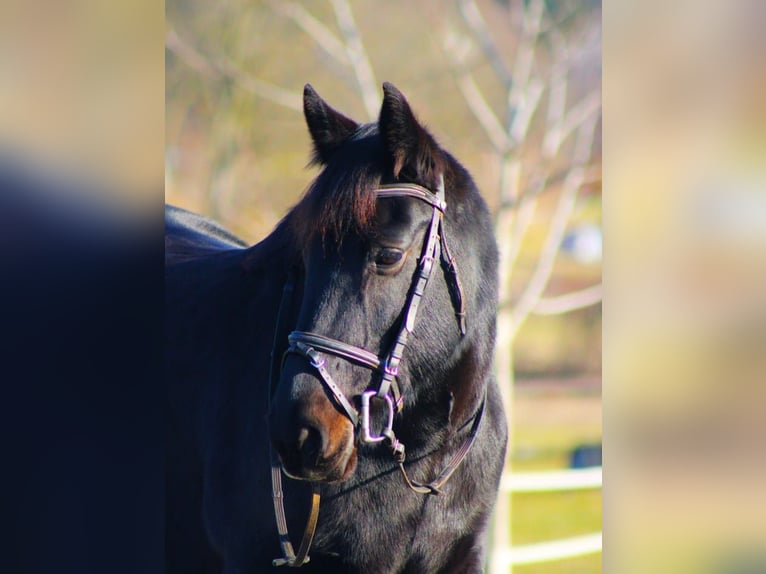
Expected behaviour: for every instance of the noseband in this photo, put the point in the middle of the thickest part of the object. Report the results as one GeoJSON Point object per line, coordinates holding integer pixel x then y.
{"type": "Point", "coordinates": [312, 346]}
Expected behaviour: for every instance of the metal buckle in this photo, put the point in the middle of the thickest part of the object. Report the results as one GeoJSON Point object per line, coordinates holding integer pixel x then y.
{"type": "Point", "coordinates": [367, 436]}
{"type": "Point", "coordinates": [315, 359]}
{"type": "Point", "coordinates": [389, 370]}
{"type": "Point", "coordinates": [317, 363]}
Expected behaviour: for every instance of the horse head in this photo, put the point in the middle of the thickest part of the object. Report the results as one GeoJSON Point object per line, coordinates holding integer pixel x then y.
{"type": "Point", "coordinates": [364, 248]}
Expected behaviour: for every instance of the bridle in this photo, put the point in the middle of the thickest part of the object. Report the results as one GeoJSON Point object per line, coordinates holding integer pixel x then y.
{"type": "Point", "coordinates": [312, 346]}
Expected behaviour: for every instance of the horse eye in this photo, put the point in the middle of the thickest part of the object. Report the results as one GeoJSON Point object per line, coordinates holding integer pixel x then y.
{"type": "Point", "coordinates": [388, 257]}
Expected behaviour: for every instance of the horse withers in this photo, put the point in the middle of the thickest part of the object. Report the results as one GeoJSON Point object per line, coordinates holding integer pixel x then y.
{"type": "Point", "coordinates": [335, 378]}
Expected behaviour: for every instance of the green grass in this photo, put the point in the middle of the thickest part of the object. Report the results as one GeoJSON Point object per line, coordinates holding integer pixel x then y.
{"type": "Point", "coordinates": [545, 516]}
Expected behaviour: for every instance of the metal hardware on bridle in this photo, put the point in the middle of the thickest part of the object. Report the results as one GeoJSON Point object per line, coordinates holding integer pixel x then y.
{"type": "Point", "coordinates": [312, 345]}
{"type": "Point", "coordinates": [367, 436]}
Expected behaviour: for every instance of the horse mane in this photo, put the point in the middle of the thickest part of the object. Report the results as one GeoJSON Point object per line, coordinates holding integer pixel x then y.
{"type": "Point", "coordinates": [341, 198]}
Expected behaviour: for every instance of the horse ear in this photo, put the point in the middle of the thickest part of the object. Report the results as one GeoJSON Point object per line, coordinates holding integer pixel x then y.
{"type": "Point", "coordinates": [411, 147]}
{"type": "Point", "coordinates": [328, 127]}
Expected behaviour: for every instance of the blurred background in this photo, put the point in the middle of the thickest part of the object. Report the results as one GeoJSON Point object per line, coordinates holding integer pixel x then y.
{"type": "Point", "coordinates": [513, 90]}
{"type": "Point", "coordinates": [685, 324]}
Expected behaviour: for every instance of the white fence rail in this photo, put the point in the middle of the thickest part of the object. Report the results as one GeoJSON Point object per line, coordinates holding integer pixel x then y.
{"type": "Point", "coordinates": [565, 480]}
{"type": "Point", "coordinates": [574, 479]}
{"type": "Point", "coordinates": [550, 551]}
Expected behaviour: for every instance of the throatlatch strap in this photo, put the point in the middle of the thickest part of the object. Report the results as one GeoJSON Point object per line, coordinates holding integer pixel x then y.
{"type": "Point", "coordinates": [453, 280]}
{"type": "Point", "coordinates": [434, 487]}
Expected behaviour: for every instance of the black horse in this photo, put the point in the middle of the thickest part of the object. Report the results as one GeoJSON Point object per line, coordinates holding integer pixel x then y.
{"type": "Point", "coordinates": [294, 353]}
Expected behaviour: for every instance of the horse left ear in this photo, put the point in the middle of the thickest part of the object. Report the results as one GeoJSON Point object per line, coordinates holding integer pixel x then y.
{"type": "Point", "coordinates": [412, 148]}
{"type": "Point", "coordinates": [328, 127]}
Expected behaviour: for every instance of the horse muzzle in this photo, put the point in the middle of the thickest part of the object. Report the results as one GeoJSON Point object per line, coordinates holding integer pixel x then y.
{"type": "Point", "coordinates": [316, 443]}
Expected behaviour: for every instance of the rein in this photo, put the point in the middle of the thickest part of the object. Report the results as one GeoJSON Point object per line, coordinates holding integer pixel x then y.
{"type": "Point", "coordinates": [311, 346]}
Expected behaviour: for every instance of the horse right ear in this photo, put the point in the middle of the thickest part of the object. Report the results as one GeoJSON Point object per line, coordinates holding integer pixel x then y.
{"type": "Point", "coordinates": [328, 127]}
{"type": "Point", "coordinates": [410, 145]}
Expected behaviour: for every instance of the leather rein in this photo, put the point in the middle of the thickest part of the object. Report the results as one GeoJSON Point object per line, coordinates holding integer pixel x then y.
{"type": "Point", "coordinates": [312, 346]}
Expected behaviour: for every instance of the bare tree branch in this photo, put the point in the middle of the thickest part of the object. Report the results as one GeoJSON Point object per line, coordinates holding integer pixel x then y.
{"type": "Point", "coordinates": [188, 54]}
{"type": "Point", "coordinates": [539, 185]}
{"type": "Point", "coordinates": [221, 67]}
{"type": "Point", "coordinates": [482, 112]}
{"type": "Point", "coordinates": [527, 200]}
{"type": "Point", "coordinates": [456, 48]}
{"type": "Point", "coordinates": [577, 115]}
{"type": "Point", "coordinates": [569, 302]}
{"type": "Point", "coordinates": [525, 109]}
{"type": "Point", "coordinates": [510, 193]}
{"type": "Point", "coordinates": [525, 53]}
{"type": "Point", "coordinates": [478, 26]}
{"type": "Point", "coordinates": [556, 118]}
{"type": "Point", "coordinates": [553, 25]}
{"type": "Point", "coordinates": [317, 30]}
{"type": "Point", "coordinates": [557, 96]}
{"type": "Point", "coordinates": [564, 207]}
{"type": "Point", "coordinates": [581, 112]}
{"type": "Point", "coordinates": [518, 123]}
{"type": "Point", "coordinates": [525, 211]}
{"type": "Point", "coordinates": [360, 63]}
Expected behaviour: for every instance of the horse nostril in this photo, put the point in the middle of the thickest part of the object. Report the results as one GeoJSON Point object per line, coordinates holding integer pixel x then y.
{"type": "Point", "coordinates": [309, 444]}
{"type": "Point", "coordinates": [302, 436]}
